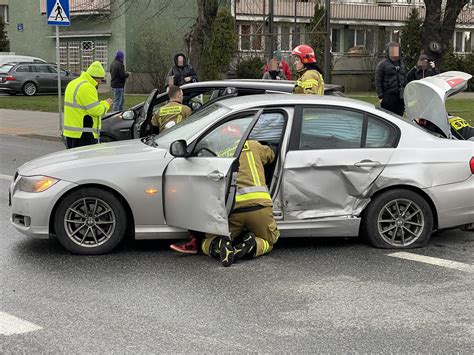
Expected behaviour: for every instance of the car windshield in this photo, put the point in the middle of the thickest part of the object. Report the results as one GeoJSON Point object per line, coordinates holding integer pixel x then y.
{"type": "Point", "coordinates": [6, 68]}
{"type": "Point", "coordinates": [192, 125]}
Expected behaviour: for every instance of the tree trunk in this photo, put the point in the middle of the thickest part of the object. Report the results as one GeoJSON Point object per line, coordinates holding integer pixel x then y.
{"type": "Point", "coordinates": [207, 10]}
{"type": "Point", "coordinates": [438, 27]}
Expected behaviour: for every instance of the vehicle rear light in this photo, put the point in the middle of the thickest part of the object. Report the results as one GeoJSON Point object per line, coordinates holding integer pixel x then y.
{"type": "Point", "coordinates": [10, 78]}
{"type": "Point", "coordinates": [471, 165]}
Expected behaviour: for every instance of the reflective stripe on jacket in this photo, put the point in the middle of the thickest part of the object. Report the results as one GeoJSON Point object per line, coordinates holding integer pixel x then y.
{"type": "Point", "coordinates": [81, 99]}
{"type": "Point", "coordinates": [310, 82]}
{"type": "Point", "coordinates": [251, 184]}
{"type": "Point", "coordinates": [169, 115]}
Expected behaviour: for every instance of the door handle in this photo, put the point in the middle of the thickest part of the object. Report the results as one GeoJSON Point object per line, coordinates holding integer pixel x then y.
{"type": "Point", "coordinates": [215, 176]}
{"type": "Point", "coordinates": [367, 163]}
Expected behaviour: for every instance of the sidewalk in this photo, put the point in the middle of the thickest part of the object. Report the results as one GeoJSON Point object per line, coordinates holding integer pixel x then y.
{"type": "Point", "coordinates": [34, 124]}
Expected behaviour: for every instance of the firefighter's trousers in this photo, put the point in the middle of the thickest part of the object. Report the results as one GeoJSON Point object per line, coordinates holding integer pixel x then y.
{"type": "Point", "coordinates": [259, 222]}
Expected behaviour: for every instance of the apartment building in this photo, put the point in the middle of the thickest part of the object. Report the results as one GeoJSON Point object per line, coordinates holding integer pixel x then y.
{"type": "Point", "coordinates": [368, 23]}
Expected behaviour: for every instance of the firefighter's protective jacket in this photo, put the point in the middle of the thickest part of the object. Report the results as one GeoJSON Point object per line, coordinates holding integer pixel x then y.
{"type": "Point", "coordinates": [81, 99]}
{"type": "Point", "coordinates": [170, 115]}
{"type": "Point", "coordinates": [251, 185]}
{"type": "Point", "coordinates": [309, 82]}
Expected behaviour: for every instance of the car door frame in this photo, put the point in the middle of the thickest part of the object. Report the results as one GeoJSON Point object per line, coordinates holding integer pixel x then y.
{"type": "Point", "coordinates": [219, 219]}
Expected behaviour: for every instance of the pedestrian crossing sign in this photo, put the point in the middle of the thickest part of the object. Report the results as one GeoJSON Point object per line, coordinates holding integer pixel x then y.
{"type": "Point", "coordinates": [57, 12]}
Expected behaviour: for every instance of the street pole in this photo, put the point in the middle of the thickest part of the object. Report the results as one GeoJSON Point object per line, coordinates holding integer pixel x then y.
{"type": "Point", "coordinates": [59, 83]}
{"type": "Point", "coordinates": [327, 44]}
{"type": "Point", "coordinates": [270, 29]}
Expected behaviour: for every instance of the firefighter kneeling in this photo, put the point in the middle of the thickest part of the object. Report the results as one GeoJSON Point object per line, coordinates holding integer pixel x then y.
{"type": "Point", "coordinates": [253, 230]}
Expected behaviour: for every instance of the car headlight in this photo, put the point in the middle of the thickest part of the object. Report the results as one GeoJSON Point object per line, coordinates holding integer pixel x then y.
{"type": "Point", "coordinates": [36, 183]}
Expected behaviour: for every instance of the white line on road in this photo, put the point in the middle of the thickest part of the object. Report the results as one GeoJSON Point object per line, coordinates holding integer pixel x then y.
{"type": "Point", "coordinates": [10, 325]}
{"type": "Point", "coordinates": [6, 177]}
{"type": "Point", "coordinates": [434, 261]}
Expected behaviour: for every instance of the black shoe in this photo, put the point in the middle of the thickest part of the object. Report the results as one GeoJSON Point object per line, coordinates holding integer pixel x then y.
{"type": "Point", "coordinates": [226, 252]}
{"type": "Point", "coordinates": [246, 247]}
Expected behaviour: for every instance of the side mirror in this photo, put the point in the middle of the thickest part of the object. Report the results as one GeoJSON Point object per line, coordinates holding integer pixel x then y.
{"type": "Point", "coordinates": [195, 105]}
{"type": "Point", "coordinates": [128, 115]}
{"type": "Point", "coordinates": [179, 149]}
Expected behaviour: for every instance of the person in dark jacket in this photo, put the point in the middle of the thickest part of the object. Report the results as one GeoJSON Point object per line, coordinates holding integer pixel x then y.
{"type": "Point", "coordinates": [181, 73]}
{"type": "Point", "coordinates": [424, 68]}
{"type": "Point", "coordinates": [117, 83]}
{"type": "Point", "coordinates": [390, 80]}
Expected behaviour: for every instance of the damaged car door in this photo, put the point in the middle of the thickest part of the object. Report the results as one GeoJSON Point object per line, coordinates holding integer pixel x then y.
{"type": "Point", "coordinates": [335, 156]}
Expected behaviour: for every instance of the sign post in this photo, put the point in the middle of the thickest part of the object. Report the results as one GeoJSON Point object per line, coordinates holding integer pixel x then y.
{"type": "Point", "coordinates": [57, 12]}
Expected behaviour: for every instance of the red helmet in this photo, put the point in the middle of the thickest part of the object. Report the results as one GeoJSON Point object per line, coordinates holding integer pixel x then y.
{"type": "Point", "coordinates": [305, 53]}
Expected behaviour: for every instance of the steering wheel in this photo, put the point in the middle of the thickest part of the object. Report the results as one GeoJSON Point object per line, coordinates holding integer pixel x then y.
{"type": "Point", "coordinates": [208, 150]}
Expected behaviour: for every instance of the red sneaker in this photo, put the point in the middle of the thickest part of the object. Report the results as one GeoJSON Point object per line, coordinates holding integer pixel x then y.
{"type": "Point", "coordinates": [190, 246]}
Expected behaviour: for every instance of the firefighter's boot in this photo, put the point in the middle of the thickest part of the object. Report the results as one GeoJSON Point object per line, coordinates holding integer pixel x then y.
{"type": "Point", "coordinates": [226, 253]}
{"type": "Point", "coordinates": [246, 247]}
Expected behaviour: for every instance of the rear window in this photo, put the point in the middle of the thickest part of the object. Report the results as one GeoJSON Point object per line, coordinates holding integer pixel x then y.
{"type": "Point", "coordinates": [5, 68]}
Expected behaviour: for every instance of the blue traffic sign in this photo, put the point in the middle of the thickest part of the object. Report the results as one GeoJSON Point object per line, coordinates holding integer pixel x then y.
{"type": "Point", "coordinates": [57, 12]}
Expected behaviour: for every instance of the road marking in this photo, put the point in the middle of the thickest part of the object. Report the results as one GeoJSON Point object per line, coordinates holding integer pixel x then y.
{"type": "Point", "coordinates": [6, 177]}
{"type": "Point", "coordinates": [434, 261]}
{"type": "Point", "coordinates": [10, 325]}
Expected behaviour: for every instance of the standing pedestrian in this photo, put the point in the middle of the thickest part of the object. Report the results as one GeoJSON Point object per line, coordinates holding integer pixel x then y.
{"type": "Point", "coordinates": [274, 72]}
{"type": "Point", "coordinates": [82, 109]}
{"type": "Point", "coordinates": [424, 68]}
{"type": "Point", "coordinates": [310, 76]}
{"type": "Point", "coordinates": [117, 83]}
{"type": "Point", "coordinates": [390, 80]}
{"type": "Point", "coordinates": [181, 73]}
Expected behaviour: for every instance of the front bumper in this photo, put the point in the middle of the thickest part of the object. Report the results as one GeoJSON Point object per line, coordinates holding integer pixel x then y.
{"type": "Point", "coordinates": [31, 212]}
{"type": "Point", "coordinates": [454, 203]}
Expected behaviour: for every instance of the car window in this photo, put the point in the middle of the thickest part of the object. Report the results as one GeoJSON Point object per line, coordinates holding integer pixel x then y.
{"type": "Point", "coordinates": [269, 127]}
{"type": "Point", "coordinates": [22, 69]}
{"type": "Point", "coordinates": [42, 68]}
{"type": "Point", "coordinates": [5, 68]}
{"type": "Point", "coordinates": [188, 128]}
{"type": "Point", "coordinates": [330, 128]}
{"type": "Point", "coordinates": [379, 134]}
{"type": "Point", "coordinates": [223, 140]}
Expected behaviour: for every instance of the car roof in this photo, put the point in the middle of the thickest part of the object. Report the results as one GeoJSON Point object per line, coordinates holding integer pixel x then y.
{"type": "Point", "coordinates": [242, 102]}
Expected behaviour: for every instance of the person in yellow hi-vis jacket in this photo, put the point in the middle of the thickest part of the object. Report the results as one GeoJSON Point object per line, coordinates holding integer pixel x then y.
{"type": "Point", "coordinates": [309, 74]}
{"type": "Point", "coordinates": [252, 211]}
{"type": "Point", "coordinates": [82, 109]}
{"type": "Point", "coordinates": [173, 112]}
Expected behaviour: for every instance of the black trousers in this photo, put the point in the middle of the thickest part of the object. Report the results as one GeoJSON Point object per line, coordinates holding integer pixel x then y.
{"type": "Point", "coordinates": [393, 103]}
{"type": "Point", "coordinates": [80, 142]}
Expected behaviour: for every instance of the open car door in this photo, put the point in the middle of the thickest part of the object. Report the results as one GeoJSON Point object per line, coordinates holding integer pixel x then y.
{"type": "Point", "coordinates": [199, 189]}
{"type": "Point", "coordinates": [426, 98]}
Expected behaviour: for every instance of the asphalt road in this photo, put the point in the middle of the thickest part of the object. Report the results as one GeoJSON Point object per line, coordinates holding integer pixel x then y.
{"type": "Point", "coordinates": [329, 295]}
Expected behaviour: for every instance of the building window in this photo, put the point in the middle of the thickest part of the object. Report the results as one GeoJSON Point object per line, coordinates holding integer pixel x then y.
{"type": "Point", "coordinates": [250, 37]}
{"type": "Point", "coordinates": [462, 41]}
{"type": "Point", "coordinates": [361, 37]}
{"type": "Point", "coordinates": [76, 56]}
{"type": "Point", "coordinates": [284, 38]}
{"type": "Point", "coordinates": [335, 40]}
{"type": "Point", "coordinates": [4, 13]}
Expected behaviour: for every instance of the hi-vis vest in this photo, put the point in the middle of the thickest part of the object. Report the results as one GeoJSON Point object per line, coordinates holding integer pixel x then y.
{"type": "Point", "coordinates": [310, 82]}
{"type": "Point", "coordinates": [251, 184]}
{"type": "Point", "coordinates": [81, 99]}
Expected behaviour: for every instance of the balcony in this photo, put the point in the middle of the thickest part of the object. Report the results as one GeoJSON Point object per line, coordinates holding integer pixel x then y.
{"type": "Point", "coordinates": [83, 7]}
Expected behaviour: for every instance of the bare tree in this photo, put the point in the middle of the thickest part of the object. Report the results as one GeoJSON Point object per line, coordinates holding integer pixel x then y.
{"type": "Point", "coordinates": [439, 24]}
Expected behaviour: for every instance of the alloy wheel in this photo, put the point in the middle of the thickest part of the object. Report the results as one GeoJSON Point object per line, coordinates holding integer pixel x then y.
{"type": "Point", "coordinates": [29, 89]}
{"type": "Point", "coordinates": [401, 222]}
{"type": "Point", "coordinates": [89, 222]}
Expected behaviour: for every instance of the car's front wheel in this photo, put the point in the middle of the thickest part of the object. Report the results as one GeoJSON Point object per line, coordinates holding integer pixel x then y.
{"type": "Point", "coordinates": [29, 88]}
{"type": "Point", "coordinates": [90, 221]}
{"type": "Point", "coordinates": [398, 219]}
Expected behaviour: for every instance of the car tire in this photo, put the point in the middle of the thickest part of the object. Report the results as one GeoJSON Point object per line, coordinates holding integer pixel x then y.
{"type": "Point", "coordinates": [398, 219]}
{"type": "Point", "coordinates": [29, 88]}
{"type": "Point", "coordinates": [90, 221]}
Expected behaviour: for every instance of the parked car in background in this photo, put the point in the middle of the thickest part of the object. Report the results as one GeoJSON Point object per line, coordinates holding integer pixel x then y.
{"type": "Point", "coordinates": [13, 58]}
{"type": "Point", "coordinates": [32, 78]}
{"type": "Point", "coordinates": [136, 121]}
